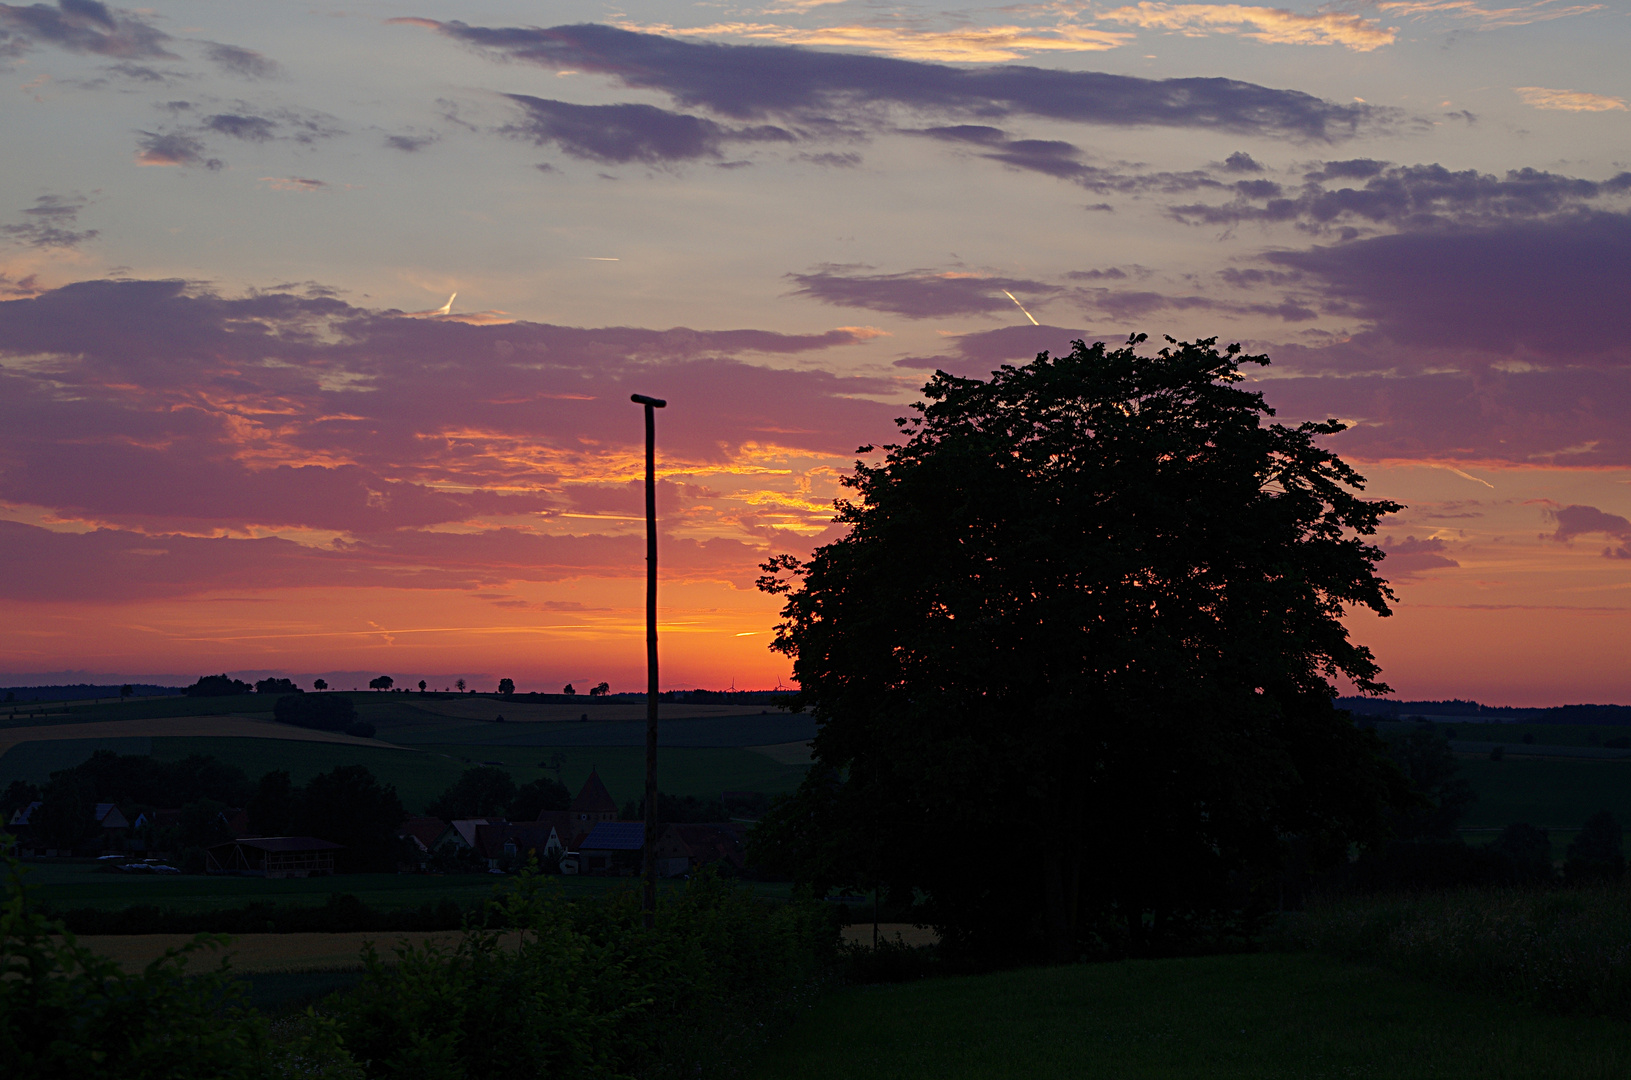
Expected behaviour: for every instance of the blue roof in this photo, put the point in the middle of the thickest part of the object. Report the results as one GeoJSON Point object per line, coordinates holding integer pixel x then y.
{"type": "Point", "coordinates": [615, 836]}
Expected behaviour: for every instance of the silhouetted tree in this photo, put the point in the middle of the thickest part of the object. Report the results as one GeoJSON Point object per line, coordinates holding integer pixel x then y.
{"type": "Point", "coordinates": [277, 686]}
{"type": "Point", "coordinates": [349, 806]}
{"type": "Point", "coordinates": [1434, 774]}
{"type": "Point", "coordinates": [459, 684]}
{"type": "Point", "coordinates": [319, 684]}
{"type": "Point", "coordinates": [125, 691]}
{"type": "Point", "coordinates": [484, 791]}
{"type": "Point", "coordinates": [217, 686]}
{"type": "Point", "coordinates": [506, 687]}
{"type": "Point", "coordinates": [271, 808]}
{"type": "Point", "coordinates": [569, 690]}
{"type": "Point", "coordinates": [1596, 854]}
{"type": "Point", "coordinates": [66, 817]}
{"type": "Point", "coordinates": [533, 798]}
{"type": "Point", "coordinates": [382, 682]}
{"type": "Point", "coordinates": [600, 690]}
{"type": "Point", "coordinates": [1083, 621]}
{"type": "Point", "coordinates": [1529, 848]}
{"type": "Point", "coordinates": [421, 686]}
{"type": "Point", "coordinates": [18, 794]}
{"type": "Point", "coordinates": [326, 712]}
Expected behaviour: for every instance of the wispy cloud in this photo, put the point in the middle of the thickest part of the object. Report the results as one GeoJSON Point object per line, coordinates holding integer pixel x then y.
{"type": "Point", "coordinates": [1487, 18]}
{"type": "Point", "coordinates": [50, 222]}
{"type": "Point", "coordinates": [1273, 25]}
{"type": "Point", "coordinates": [1569, 100]}
{"type": "Point", "coordinates": [962, 45]}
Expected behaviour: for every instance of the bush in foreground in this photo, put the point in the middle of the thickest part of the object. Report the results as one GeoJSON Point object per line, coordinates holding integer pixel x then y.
{"type": "Point", "coordinates": [584, 990]}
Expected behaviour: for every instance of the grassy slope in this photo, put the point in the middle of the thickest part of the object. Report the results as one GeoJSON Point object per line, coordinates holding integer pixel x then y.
{"type": "Point", "coordinates": [1271, 1015]}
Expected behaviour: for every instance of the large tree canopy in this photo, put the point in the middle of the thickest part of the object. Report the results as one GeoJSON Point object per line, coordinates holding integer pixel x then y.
{"type": "Point", "coordinates": [1071, 661]}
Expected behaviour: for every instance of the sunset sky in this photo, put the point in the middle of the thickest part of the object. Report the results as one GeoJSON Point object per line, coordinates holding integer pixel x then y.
{"type": "Point", "coordinates": [236, 434]}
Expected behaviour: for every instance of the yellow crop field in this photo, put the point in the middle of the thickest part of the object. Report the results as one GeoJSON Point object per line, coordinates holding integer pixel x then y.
{"type": "Point", "coordinates": [257, 953]}
{"type": "Point", "coordinates": [241, 726]}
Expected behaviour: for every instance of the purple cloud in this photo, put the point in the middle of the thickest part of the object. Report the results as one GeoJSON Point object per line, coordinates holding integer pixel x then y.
{"type": "Point", "coordinates": [50, 222]}
{"type": "Point", "coordinates": [245, 63]}
{"type": "Point", "coordinates": [82, 26]}
{"type": "Point", "coordinates": [617, 134]}
{"type": "Point", "coordinates": [917, 294]}
{"type": "Point", "coordinates": [1403, 196]}
{"type": "Point", "coordinates": [170, 409]}
{"type": "Point", "coordinates": [757, 81]}
{"type": "Point", "coordinates": [1577, 520]}
{"type": "Point", "coordinates": [1555, 288]}
{"type": "Point", "coordinates": [1410, 557]}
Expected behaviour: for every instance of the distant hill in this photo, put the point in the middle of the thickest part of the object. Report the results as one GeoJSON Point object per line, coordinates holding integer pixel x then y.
{"type": "Point", "coordinates": [1455, 707]}
{"type": "Point", "coordinates": [81, 692]}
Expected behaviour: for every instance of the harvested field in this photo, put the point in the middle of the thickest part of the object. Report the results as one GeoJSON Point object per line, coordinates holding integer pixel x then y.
{"type": "Point", "coordinates": [905, 933]}
{"type": "Point", "coordinates": [241, 726]}
{"type": "Point", "coordinates": [256, 953]}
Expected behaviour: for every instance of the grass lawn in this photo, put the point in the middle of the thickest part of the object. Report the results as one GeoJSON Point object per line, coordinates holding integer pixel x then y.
{"type": "Point", "coordinates": [1297, 1015]}
{"type": "Point", "coordinates": [1552, 794]}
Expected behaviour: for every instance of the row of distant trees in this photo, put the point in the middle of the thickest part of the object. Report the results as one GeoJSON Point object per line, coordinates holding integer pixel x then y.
{"type": "Point", "coordinates": [225, 686]}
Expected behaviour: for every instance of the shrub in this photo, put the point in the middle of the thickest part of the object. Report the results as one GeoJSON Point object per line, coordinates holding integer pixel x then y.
{"type": "Point", "coordinates": [584, 990]}
{"type": "Point", "coordinates": [217, 686]}
{"type": "Point", "coordinates": [67, 1012]}
{"type": "Point", "coordinates": [1596, 853]}
{"type": "Point", "coordinates": [325, 712]}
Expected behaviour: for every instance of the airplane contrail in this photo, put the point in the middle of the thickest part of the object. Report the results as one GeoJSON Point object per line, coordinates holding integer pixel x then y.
{"type": "Point", "coordinates": [600, 258]}
{"type": "Point", "coordinates": [1021, 307]}
{"type": "Point", "coordinates": [447, 308]}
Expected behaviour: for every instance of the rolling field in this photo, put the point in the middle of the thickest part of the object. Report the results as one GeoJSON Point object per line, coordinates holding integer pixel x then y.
{"type": "Point", "coordinates": [1262, 1017]}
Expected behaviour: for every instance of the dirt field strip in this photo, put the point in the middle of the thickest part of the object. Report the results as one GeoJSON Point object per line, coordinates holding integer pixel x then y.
{"type": "Point", "coordinates": [257, 953]}
{"type": "Point", "coordinates": [240, 726]}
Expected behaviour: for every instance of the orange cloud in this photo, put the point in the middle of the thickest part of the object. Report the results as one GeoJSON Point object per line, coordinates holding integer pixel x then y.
{"type": "Point", "coordinates": [965, 45]}
{"type": "Point", "coordinates": [1274, 25]}
{"type": "Point", "coordinates": [1540, 97]}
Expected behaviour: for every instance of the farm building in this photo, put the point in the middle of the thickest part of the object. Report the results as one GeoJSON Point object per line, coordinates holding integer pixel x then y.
{"type": "Point", "coordinates": [613, 847]}
{"type": "Point", "coordinates": [684, 848]}
{"type": "Point", "coordinates": [510, 845]}
{"type": "Point", "coordinates": [272, 857]}
{"type": "Point", "coordinates": [114, 826]}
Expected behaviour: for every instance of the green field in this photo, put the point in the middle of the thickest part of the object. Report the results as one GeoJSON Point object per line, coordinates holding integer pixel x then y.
{"type": "Point", "coordinates": [1292, 1015]}
{"type": "Point", "coordinates": [64, 886]}
{"type": "Point", "coordinates": [1552, 794]}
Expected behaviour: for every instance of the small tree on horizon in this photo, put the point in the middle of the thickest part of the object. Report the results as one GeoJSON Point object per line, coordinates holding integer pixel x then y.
{"type": "Point", "coordinates": [506, 687]}
{"type": "Point", "coordinates": [320, 684]}
{"type": "Point", "coordinates": [601, 690]}
{"type": "Point", "coordinates": [569, 690]}
{"type": "Point", "coordinates": [459, 684]}
{"type": "Point", "coordinates": [421, 686]}
{"type": "Point", "coordinates": [383, 682]}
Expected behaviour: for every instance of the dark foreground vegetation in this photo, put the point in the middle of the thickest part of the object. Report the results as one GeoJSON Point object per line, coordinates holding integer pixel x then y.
{"type": "Point", "coordinates": [556, 989]}
{"type": "Point", "coordinates": [1264, 1016]}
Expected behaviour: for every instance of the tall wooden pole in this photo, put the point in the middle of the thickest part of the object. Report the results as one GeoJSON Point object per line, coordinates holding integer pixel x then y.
{"type": "Point", "coordinates": [649, 907]}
